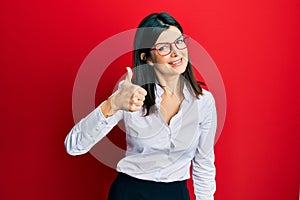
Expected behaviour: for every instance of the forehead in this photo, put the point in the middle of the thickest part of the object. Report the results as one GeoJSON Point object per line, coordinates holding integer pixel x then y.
{"type": "Point", "coordinates": [169, 35]}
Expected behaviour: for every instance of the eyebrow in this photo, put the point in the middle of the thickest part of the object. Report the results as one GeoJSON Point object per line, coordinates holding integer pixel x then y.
{"type": "Point", "coordinates": [169, 42]}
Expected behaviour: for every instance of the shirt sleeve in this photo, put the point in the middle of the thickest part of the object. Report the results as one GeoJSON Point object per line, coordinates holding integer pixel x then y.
{"type": "Point", "coordinates": [90, 130]}
{"type": "Point", "coordinates": [203, 170]}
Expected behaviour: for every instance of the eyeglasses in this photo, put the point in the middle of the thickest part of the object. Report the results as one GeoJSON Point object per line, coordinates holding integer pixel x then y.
{"type": "Point", "coordinates": [165, 48]}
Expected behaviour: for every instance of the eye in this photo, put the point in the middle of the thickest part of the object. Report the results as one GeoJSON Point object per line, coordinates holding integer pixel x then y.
{"type": "Point", "coordinates": [180, 41]}
{"type": "Point", "coordinates": [162, 47]}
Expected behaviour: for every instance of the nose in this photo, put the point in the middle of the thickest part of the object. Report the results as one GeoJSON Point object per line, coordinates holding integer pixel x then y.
{"type": "Point", "coordinates": [174, 50]}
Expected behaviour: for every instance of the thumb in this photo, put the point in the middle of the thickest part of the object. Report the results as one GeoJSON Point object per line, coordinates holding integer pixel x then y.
{"type": "Point", "coordinates": [128, 75]}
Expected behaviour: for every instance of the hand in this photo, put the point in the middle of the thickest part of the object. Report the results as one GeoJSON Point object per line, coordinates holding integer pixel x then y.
{"type": "Point", "coordinates": [129, 96]}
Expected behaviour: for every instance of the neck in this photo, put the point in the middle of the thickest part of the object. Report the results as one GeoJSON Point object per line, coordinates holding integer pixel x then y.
{"type": "Point", "coordinates": [171, 86]}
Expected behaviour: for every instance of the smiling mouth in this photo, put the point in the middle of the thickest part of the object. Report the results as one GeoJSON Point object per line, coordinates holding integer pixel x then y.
{"type": "Point", "coordinates": [176, 62]}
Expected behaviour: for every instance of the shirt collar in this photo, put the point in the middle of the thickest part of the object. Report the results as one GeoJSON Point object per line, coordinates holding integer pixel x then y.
{"type": "Point", "coordinates": [159, 91]}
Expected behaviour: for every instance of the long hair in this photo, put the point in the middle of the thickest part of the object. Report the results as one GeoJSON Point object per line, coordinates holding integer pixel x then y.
{"type": "Point", "coordinates": [146, 35]}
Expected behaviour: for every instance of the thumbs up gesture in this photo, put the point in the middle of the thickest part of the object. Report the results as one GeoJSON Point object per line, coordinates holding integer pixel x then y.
{"type": "Point", "coordinates": [129, 96]}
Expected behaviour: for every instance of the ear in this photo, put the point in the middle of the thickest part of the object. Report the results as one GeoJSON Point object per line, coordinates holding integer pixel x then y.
{"type": "Point", "coordinates": [144, 58]}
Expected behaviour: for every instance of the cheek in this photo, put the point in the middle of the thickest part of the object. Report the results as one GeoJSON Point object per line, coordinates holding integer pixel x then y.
{"type": "Point", "coordinates": [155, 58]}
{"type": "Point", "coordinates": [185, 53]}
{"type": "Point", "coordinates": [159, 59]}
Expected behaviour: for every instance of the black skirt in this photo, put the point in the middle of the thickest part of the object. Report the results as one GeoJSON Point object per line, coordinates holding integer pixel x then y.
{"type": "Point", "coordinates": [126, 187]}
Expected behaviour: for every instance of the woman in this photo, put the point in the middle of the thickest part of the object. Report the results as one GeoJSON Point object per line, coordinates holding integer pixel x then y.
{"type": "Point", "coordinates": [170, 120]}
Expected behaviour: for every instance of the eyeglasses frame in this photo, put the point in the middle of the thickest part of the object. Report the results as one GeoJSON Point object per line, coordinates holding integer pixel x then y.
{"type": "Point", "coordinates": [170, 44]}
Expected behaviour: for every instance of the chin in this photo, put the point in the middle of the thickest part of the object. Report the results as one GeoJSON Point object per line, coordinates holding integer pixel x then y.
{"type": "Point", "coordinates": [181, 69]}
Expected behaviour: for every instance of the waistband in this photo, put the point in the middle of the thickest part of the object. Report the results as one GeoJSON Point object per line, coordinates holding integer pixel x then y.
{"type": "Point", "coordinates": [124, 176]}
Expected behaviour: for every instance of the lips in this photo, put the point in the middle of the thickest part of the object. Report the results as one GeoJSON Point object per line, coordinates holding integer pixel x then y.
{"type": "Point", "coordinates": [176, 62]}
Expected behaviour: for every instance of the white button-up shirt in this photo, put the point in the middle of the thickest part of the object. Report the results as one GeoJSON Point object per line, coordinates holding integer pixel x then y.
{"type": "Point", "coordinates": [156, 150]}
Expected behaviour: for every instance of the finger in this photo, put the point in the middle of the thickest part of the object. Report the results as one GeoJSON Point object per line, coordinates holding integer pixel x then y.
{"type": "Point", "coordinates": [134, 107]}
{"type": "Point", "coordinates": [128, 75]}
{"type": "Point", "coordinates": [141, 91]}
{"type": "Point", "coordinates": [134, 100]}
{"type": "Point", "coordinates": [139, 97]}
{"type": "Point", "coordinates": [139, 103]}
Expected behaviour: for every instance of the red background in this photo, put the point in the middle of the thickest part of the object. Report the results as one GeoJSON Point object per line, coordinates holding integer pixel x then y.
{"type": "Point", "coordinates": [255, 45]}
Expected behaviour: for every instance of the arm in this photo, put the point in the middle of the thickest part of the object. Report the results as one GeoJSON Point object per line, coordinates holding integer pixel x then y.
{"type": "Point", "coordinates": [203, 163]}
{"type": "Point", "coordinates": [85, 134]}
{"type": "Point", "coordinates": [91, 129]}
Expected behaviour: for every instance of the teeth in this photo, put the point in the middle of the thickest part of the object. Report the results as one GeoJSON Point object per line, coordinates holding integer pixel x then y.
{"type": "Point", "coordinates": [176, 61]}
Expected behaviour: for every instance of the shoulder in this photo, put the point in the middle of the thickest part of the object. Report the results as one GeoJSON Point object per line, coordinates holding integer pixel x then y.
{"type": "Point", "coordinates": [206, 97]}
{"type": "Point", "coordinates": [205, 102]}
{"type": "Point", "coordinates": [206, 105]}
